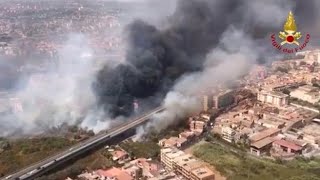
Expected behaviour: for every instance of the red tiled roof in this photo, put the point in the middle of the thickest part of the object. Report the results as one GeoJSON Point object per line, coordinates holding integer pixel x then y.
{"type": "Point", "coordinates": [288, 144]}
{"type": "Point", "coordinates": [114, 172]}
{"type": "Point", "coordinates": [172, 141]}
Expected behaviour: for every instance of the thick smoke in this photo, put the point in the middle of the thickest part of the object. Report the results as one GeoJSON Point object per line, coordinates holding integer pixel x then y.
{"type": "Point", "coordinates": [224, 65]}
{"type": "Point", "coordinates": [203, 44]}
{"type": "Point", "coordinates": [9, 76]}
{"type": "Point", "coordinates": [243, 44]}
{"type": "Point", "coordinates": [236, 53]}
{"type": "Point", "coordinates": [156, 58]}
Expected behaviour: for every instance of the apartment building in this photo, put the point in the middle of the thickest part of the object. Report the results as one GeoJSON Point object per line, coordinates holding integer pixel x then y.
{"type": "Point", "coordinates": [206, 102]}
{"type": "Point", "coordinates": [223, 99]}
{"type": "Point", "coordinates": [219, 99]}
{"type": "Point", "coordinates": [168, 155]}
{"type": "Point", "coordinates": [192, 169]}
{"type": "Point", "coordinates": [186, 165]}
{"type": "Point", "coordinates": [228, 134]}
{"type": "Point", "coordinates": [274, 98]}
{"type": "Point", "coordinates": [202, 173]}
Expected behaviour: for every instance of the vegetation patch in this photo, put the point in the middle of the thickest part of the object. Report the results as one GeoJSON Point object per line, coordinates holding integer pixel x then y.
{"type": "Point", "coordinates": [147, 149]}
{"type": "Point", "coordinates": [23, 152]}
{"type": "Point", "coordinates": [241, 166]}
{"type": "Point", "coordinates": [91, 162]}
{"type": "Point", "coordinates": [304, 103]}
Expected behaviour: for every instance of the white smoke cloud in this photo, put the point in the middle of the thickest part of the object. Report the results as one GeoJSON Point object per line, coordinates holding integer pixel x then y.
{"type": "Point", "coordinates": [235, 59]}
{"type": "Point", "coordinates": [178, 106]}
{"type": "Point", "coordinates": [63, 96]}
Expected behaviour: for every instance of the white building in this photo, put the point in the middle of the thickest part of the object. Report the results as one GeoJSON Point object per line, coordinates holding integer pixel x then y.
{"type": "Point", "coordinates": [303, 53]}
{"type": "Point", "coordinates": [168, 155]}
{"type": "Point", "coordinates": [206, 102]}
{"type": "Point", "coordinates": [274, 98]}
{"type": "Point", "coordinates": [228, 133]}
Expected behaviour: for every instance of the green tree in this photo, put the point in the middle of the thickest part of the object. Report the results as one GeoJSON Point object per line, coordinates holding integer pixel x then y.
{"type": "Point", "coordinates": [73, 129]}
{"type": "Point", "coordinates": [90, 133]}
{"type": "Point", "coordinates": [286, 91]}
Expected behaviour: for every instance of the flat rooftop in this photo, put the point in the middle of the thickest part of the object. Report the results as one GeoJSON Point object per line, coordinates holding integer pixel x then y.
{"type": "Point", "coordinates": [172, 153]}
{"type": "Point", "coordinates": [203, 172]}
{"type": "Point", "coordinates": [264, 134]}
{"type": "Point", "coordinates": [273, 93]}
{"type": "Point", "coordinates": [262, 143]}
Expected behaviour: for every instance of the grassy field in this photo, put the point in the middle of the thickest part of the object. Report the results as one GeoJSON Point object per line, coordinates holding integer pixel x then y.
{"type": "Point", "coordinates": [93, 161]}
{"type": "Point", "coordinates": [24, 152]}
{"type": "Point", "coordinates": [237, 166]}
{"type": "Point", "coordinates": [146, 149]}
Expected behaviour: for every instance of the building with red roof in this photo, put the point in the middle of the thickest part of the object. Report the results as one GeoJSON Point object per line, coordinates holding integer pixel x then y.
{"type": "Point", "coordinates": [287, 146]}
{"type": "Point", "coordinates": [116, 173]}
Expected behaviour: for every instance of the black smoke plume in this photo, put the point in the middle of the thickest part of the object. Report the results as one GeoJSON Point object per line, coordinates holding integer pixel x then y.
{"type": "Point", "coordinates": [156, 58]}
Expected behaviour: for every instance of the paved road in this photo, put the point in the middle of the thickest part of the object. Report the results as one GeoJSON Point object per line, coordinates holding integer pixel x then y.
{"type": "Point", "coordinates": [46, 164]}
